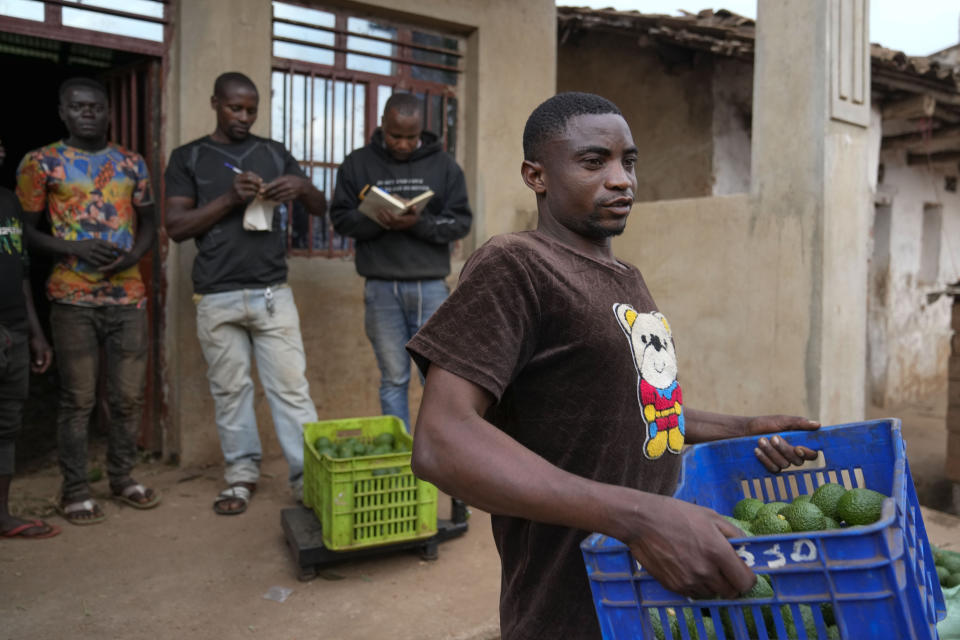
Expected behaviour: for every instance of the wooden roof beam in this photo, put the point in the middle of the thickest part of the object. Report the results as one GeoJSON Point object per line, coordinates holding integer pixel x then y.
{"type": "Point", "coordinates": [943, 135]}
{"type": "Point", "coordinates": [946, 115]}
{"type": "Point", "coordinates": [918, 106]}
{"type": "Point", "coordinates": [940, 157]}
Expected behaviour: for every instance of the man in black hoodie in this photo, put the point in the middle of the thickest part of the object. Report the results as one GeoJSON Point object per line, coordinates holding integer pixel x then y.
{"type": "Point", "coordinates": [405, 257]}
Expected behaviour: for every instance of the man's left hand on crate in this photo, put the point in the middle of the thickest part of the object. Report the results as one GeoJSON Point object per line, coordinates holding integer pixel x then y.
{"type": "Point", "coordinates": [774, 453]}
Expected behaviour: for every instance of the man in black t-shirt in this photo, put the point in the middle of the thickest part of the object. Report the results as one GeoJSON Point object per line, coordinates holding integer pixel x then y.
{"type": "Point", "coordinates": [552, 397]}
{"type": "Point", "coordinates": [23, 348]}
{"type": "Point", "coordinates": [213, 187]}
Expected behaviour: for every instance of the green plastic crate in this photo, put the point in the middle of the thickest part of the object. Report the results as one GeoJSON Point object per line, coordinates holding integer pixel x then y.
{"type": "Point", "coordinates": [357, 503]}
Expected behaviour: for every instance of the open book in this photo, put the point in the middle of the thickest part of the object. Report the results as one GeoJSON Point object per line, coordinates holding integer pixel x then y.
{"type": "Point", "coordinates": [373, 198]}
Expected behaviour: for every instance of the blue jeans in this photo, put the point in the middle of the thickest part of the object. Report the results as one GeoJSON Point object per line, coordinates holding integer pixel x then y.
{"type": "Point", "coordinates": [78, 334]}
{"type": "Point", "coordinates": [395, 311]}
{"type": "Point", "coordinates": [230, 325]}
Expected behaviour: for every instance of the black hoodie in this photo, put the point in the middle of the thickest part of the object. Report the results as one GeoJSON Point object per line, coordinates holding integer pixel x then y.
{"type": "Point", "coordinates": [421, 252]}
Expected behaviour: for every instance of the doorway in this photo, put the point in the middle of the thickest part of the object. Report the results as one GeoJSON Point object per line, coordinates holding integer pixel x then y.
{"type": "Point", "coordinates": [34, 67]}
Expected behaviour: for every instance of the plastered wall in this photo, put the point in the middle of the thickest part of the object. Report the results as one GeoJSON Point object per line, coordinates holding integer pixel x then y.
{"type": "Point", "coordinates": [765, 291]}
{"type": "Point", "coordinates": [669, 114]}
{"type": "Point", "coordinates": [509, 68]}
{"type": "Point", "coordinates": [910, 336]}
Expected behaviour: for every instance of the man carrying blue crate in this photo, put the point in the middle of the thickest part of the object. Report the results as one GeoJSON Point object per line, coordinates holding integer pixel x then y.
{"type": "Point", "coordinates": [552, 401]}
{"type": "Point", "coordinates": [245, 309]}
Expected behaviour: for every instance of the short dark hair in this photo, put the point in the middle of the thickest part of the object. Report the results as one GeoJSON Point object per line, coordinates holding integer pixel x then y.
{"type": "Point", "coordinates": [232, 77]}
{"type": "Point", "coordinates": [550, 118]}
{"type": "Point", "coordinates": [405, 104]}
{"type": "Point", "coordinates": [80, 82]}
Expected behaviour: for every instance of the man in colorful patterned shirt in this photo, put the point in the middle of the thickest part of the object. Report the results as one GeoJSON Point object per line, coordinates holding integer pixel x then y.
{"type": "Point", "coordinates": [100, 206]}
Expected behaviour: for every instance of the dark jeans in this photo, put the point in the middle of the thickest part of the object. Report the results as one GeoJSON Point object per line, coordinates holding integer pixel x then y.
{"type": "Point", "coordinates": [14, 378]}
{"type": "Point", "coordinates": [78, 334]}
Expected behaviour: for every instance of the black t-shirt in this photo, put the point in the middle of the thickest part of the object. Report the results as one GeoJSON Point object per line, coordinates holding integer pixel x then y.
{"type": "Point", "coordinates": [559, 339]}
{"type": "Point", "coordinates": [228, 256]}
{"type": "Point", "coordinates": [13, 264]}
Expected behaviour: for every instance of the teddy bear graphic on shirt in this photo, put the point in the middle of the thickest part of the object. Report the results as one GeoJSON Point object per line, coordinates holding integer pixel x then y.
{"type": "Point", "coordinates": [658, 391]}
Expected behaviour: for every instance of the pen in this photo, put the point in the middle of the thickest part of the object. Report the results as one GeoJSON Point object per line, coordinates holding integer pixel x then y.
{"type": "Point", "coordinates": [232, 168]}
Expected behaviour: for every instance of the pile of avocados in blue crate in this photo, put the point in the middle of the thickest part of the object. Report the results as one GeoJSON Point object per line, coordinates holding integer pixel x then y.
{"type": "Point", "coordinates": [840, 551]}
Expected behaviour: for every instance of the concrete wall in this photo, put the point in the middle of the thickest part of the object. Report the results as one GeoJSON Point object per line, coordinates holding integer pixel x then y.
{"type": "Point", "coordinates": [732, 84]}
{"type": "Point", "coordinates": [907, 337]}
{"type": "Point", "coordinates": [497, 94]}
{"type": "Point", "coordinates": [667, 109]}
{"type": "Point", "coordinates": [765, 290]}
{"type": "Point", "coordinates": [910, 335]}
{"type": "Point", "coordinates": [715, 268]}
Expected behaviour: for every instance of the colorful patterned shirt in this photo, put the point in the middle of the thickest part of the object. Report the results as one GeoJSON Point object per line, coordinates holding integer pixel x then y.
{"type": "Point", "coordinates": [88, 195]}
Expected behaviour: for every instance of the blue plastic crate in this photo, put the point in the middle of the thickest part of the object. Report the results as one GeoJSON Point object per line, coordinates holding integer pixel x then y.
{"type": "Point", "coordinates": [879, 579]}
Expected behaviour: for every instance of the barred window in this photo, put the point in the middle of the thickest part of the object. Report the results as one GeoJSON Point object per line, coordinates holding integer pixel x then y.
{"type": "Point", "coordinates": [332, 74]}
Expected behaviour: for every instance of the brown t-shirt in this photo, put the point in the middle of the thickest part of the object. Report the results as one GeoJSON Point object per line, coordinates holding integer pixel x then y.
{"type": "Point", "coordinates": [546, 330]}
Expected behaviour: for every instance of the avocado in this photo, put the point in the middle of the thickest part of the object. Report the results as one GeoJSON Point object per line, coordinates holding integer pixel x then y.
{"type": "Point", "coordinates": [860, 506]}
{"type": "Point", "coordinates": [726, 621]}
{"type": "Point", "coordinates": [656, 624]}
{"type": "Point", "coordinates": [746, 509]}
{"type": "Point", "coordinates": [384, 438]}
{"type": "Point", "coordinates": [950, 562]}
{"type": "Point", "coordinates": [771, 507]}
{"type": "Point", "coordinates": [804, 516]}
{"type": "Point", "coordinates": [740, 524]}
{"type": "Point", "coordinates": [770, 524]}
{"type": "Point", "coordinates": [826, 610]}
{"type": "Point", "coordinates": [762, 589]}
{"type": "Point", "coordinates": [327, 451]}
{"type": "Point", "coordinates": [709, 632]}
{"type": "Point", "coordinates": [827, 496]}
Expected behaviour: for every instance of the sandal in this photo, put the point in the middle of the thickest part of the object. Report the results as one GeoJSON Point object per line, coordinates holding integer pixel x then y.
{"type": "Point", "coordinates": [20, 531]}
{"type": "Point", "coordinates": [82, 512]}
{"type": "Point", "coordinates": [137, 496]}
{"type": "Point", "coordinates": [240, 492]}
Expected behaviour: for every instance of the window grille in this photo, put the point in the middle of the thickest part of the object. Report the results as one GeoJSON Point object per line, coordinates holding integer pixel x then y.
{"type": "Point", "coordinates": [332, 74]}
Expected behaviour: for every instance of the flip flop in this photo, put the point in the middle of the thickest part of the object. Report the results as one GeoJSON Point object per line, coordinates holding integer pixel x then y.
{"type": "Point", "coordinates": [126, 495]}
{"type": "Point", "coordinates": [235, 492]}
{"type": "Point", "coordinates": [71, 512]}
{"type": "Point", "coordinates": [18, 531]}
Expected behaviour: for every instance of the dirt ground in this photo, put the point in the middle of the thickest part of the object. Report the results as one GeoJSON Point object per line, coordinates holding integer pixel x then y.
{"type": "Point", "coordinates": [180, 571]}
